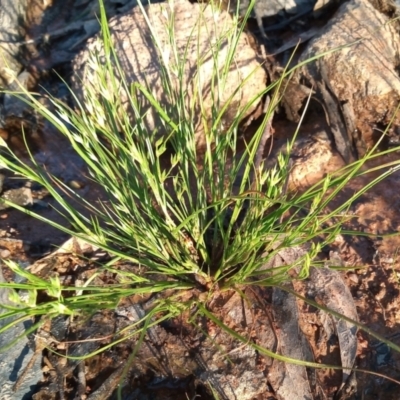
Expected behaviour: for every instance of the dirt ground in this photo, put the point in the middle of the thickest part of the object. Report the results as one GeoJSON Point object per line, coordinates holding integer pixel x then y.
{"type": "Point", "coordinates": [375, 280]}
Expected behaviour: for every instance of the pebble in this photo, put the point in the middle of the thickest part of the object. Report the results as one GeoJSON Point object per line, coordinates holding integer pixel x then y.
{"type": "Point", "coordinates": [21, 196]}
{"type": "Point", "coordinates": [73, 184]}
{"type": "Point", "coordinates": [5, 253]}
{"type": "Point", "coordinates": [353, 278]}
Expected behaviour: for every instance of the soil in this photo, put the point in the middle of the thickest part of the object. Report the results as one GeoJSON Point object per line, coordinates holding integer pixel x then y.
{"type": "Point", "coordinates": [174, 359]}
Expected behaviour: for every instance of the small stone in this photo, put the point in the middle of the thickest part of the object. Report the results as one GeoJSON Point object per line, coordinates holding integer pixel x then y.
{"type": "Point", "coordinates": [3, 216]}
{"type": "Point", "coordinates": [353, 278]}
{"type": "Point", "coordinates": [21, 196]}
{"type": "Point", "coordinates": [5, 253]}
{"type": "Point", "coordinates": [73, 184]}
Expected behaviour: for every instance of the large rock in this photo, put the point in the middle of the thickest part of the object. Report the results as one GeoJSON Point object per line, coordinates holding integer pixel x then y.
{"type": "Point", "coordinates": [267, 8]}
{"type": "Point", "coordinates": [358, 84]}
{"type": "Point", "coordinates": [200, 33]}
{"type": "Point", "coordinates": [12, 15]}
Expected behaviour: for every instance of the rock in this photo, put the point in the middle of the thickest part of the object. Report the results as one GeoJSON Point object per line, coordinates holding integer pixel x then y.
{"type": "Point", "coordinates": [5, 253]}
{"type": "Point", "coordinates": [15, 359]}
{"type": "Point", "coordinates": [358, 85]}
{"type": "Point", "coordinates": [197, 27]}
{"type": "Point", "coordinates": [74, 184]}
{"type": "Point", "coordinates": [322, 5]}
{"type": "Point", "coordinates": [313, 156]}
{"type": "Point", "coordinates": [13, 105]}
{"type": "Point", "coordinates": [21, 196]}
{"type": "Point", "coordinates": [267, 8]}
{"type": "Point", "coordinates": [12, 12]}
{"type": "Point", "coordinates": [10, 246]}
